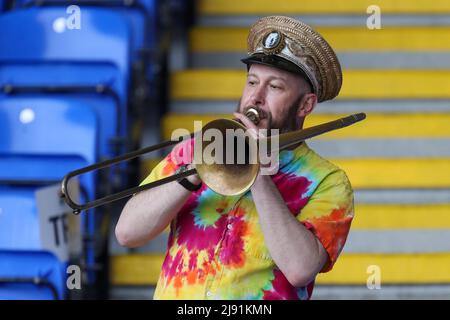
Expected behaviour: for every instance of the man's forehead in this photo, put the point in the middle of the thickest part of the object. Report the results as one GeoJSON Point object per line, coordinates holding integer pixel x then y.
{"type": "Point", "coordinates": [259, 70]}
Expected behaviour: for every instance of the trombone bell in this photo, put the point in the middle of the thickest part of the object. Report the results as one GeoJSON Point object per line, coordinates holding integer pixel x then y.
{"type": "Point", "coordinates": [223, 178]}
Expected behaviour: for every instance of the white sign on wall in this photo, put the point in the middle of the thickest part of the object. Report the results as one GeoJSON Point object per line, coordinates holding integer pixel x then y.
{"type": "Point", "coordinates": [59, 228]}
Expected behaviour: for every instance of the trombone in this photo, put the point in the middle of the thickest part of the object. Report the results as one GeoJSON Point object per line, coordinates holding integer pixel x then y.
{"type": "Point", "coordinates": [224, 179]}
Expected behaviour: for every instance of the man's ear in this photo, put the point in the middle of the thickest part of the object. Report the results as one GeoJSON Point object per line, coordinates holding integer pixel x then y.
{"type": "Point", "coordinates": [307, 105]}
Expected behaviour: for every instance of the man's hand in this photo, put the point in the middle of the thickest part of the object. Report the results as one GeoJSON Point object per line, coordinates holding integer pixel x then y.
{"type": "Point", "coordinates": [253, 129]}
{"type": "Point", "coordinates": [270, 168]}
{"type": "Point", "coordinates": [195, 178]}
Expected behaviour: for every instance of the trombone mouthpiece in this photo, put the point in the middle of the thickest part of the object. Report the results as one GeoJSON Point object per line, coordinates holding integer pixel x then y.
{"type": "Point", "coordinates": [253, 115]}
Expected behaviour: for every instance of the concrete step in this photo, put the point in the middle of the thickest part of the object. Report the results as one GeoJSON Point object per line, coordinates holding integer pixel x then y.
{"type": "Point", "coordinates": [385, 106]}
{"type": "Point", "coordinates": [323, 292]}
{"type": "Point", "coordinates": [351, 269]}
{"type": "Point", "coordinates": [348, 60]}
{"type": "Point", "coordinates": [225, 85]}
{"type": "Point", "coordinates": [393, 241]}
{"type": "Point", "coordinates": [265, 7]}
{"type": "Point", "coordinates": [403, 197]}
{"type": "Point", "coordinates": [375, 126]}
{"type": "Point", "coordinates": [342, 39]}
{"type": "Point", "coordinates": [316, 20]}
{"type": "Point", "coordinates": [386, 292]}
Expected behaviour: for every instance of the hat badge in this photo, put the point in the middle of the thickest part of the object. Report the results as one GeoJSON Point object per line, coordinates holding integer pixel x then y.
{"type": "Point", "coordinates": [273, 42]}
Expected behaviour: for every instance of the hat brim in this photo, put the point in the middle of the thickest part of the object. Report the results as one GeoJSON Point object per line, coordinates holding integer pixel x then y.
{"type": "Point", "coordinates": [276, 62]}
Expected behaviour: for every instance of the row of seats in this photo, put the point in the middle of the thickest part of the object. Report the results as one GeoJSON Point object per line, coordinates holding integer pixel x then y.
{"type": "Point", "coordinates": [66, 101]}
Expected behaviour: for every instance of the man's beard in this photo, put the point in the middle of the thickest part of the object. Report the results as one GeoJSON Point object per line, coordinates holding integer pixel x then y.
{"type": "Point", "coordinates": [290, 121]}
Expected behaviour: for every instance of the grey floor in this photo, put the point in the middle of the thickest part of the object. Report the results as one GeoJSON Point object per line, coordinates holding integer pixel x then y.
{"type": "Point", "coordinates": [404, 292]}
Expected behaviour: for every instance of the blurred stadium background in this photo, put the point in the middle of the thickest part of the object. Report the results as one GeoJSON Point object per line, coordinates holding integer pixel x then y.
{"type": "Point", "coordinates": [135, 70]}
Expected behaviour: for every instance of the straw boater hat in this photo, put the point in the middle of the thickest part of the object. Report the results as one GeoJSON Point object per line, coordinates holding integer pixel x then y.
{"type": "Point", "coordinates": [291, 45]}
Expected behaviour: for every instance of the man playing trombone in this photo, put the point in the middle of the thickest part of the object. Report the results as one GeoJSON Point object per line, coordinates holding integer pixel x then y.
{"type": "Point", "coordinates": [272, 241]}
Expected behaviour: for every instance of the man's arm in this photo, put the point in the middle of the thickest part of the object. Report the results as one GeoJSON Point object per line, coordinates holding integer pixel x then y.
{"type": "Point", "coordinates": [294, 249]}
{"type": "Point", "coordinates": [149, 212]}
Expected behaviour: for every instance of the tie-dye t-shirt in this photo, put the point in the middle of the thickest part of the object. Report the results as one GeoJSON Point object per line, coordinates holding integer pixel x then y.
{"type": "Point", "coordinates": [216, 248]}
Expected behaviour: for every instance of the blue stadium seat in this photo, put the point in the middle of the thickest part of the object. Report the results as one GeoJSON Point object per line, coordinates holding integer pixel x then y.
{"type": "Point", "coordinates": [35, 275]}
{"type": "Point", "coordinates": [146, 5]}
{"type": "Point", "coordinates": [27, 271]}
{"type": "Point", "coordinates": [18, 219]}
{"type": "Point", "coordinates": [43, 139]}
{"type": "Point", "coordinates": [141, 16]}
{"type": "Point", "coordinates": [52, 58]}
{"type": "Point", "coordinates": [104, 108]}
{"type": "Point", "coordinates": [78, 80]}
{"type": "Point", "coordinates": [103, 38]}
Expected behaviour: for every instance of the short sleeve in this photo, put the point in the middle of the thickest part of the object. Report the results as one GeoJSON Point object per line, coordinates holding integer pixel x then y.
{"type": "Point", "coordinates": [181, 154]}
{"type": "Point", "coordinates": [329, 213]}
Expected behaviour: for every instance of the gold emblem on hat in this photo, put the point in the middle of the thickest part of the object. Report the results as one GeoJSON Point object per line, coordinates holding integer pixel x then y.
{"type": "Point", "coordinates": [273, 42]}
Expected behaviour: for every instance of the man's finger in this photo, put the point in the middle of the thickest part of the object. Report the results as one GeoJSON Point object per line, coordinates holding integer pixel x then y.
{"type": "Point", "coordinates": [246, 121]}
{"type": "Point", "coordinates": [254, 131]}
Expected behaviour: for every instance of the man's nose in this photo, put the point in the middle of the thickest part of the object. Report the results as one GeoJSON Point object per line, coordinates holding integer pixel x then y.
{"type": "Point", "coordinates": [258, 96]}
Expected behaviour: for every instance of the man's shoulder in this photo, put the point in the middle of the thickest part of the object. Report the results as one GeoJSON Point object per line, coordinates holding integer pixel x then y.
{"type": "Point", "coordinates": [328, 169]}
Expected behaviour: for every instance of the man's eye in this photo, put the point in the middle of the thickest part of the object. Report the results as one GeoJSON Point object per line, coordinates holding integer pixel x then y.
{"type": "Point", "coordinates": [275, 87]}
{"type": "Point", "coordinates": [252, 83]}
